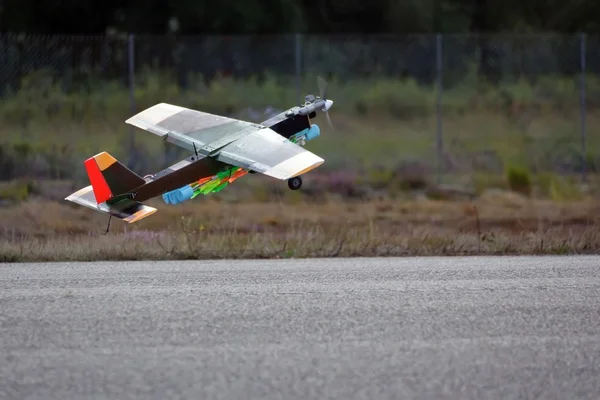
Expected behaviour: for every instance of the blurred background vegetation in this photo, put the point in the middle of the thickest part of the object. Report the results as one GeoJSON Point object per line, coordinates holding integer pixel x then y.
{"type": "Point", "coordinates": [495, 101]}
{"type": "Point", "coordinates": [283, 16]}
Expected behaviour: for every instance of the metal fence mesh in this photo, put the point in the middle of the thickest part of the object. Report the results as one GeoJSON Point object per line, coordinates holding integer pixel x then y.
{"type": "Point", "coordinates": [461, 104]}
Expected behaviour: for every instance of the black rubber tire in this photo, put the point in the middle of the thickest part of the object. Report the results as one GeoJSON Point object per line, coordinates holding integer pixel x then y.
{"type": "Point", "coordinates": [295, 183]}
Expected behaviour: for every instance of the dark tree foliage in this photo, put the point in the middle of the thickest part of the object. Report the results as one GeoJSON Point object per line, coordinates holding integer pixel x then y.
{"type": "Point", "coordinates": [189, 17]}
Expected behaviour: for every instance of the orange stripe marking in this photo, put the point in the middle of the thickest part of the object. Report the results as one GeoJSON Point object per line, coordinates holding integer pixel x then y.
{"type": "Point", "coordinates": [305, 170]}
{"type": "Point", "coordinates": [104, 160]}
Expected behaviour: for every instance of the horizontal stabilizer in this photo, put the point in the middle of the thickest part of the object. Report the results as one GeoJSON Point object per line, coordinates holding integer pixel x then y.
{"type": "Point", "coordinates": [127, 210]}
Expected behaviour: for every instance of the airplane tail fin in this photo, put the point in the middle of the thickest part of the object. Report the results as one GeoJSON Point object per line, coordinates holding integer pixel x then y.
{"type": "Point", "coordinates": [126, 209]}
{"type": "Point", "coordinates": [111, 180]}
{"type": "Point", "coordinates": [109, 177]}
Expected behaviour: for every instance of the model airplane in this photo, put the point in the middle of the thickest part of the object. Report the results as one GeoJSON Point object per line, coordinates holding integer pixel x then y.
{"type": "Point", "coordinates": [224, 149]}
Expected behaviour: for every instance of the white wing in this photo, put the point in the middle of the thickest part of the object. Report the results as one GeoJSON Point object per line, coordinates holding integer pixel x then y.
{"type": "Point", "coordinates": [232, 141]}
{"type": "Point", "coordinates": [191, 129]}
{"type": "Point", "coordinates": [267, 152]}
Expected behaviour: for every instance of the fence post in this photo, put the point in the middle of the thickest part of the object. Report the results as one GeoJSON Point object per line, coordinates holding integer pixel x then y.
{"type": "Point", "coordinates": [583, 107]}
{"type": "Point", "coordinates": [298, 68]}
{"type": "Point", "coordinates": [131, 58]}
{"type": "Point", "coordinates": [439, 137]}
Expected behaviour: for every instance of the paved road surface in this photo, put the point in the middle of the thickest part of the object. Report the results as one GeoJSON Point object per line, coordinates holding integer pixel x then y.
{"type": "Point", "coordinates": [428, 328]}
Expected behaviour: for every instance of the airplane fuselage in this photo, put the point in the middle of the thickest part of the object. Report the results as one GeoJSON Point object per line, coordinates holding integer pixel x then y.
{"type": "Point", "coordinates": [287, 124]}
{"type": "Point", "coordinates": [194, 167]}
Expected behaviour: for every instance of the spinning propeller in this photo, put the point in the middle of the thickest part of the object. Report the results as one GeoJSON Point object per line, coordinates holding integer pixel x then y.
{"type": "Point", "coordinates": [323, 94]}
{"type": "Point", "coordinates": [321, 103]}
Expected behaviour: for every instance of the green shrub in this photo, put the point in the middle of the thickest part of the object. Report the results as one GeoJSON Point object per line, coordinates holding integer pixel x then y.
{"type": "Point", "coordinates": [519, 180]}
{"type": "Point", "coordinates": [18, 190]}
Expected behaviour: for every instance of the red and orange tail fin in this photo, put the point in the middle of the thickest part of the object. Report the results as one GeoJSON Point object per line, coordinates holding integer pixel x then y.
{"type": "Point", "coordinates": [109, 177]}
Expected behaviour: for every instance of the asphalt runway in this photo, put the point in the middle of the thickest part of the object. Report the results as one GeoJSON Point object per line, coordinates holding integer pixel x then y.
{"type": "Point", "coordinates": [411, 328]}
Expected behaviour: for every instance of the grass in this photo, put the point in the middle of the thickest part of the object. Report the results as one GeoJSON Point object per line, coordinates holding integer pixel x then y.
{"type": "Point", "coordinates": [511, 153]}
{"type": "Point", "coordinates": [497, 223]}
{"type": "Point", "coordinates": [379, 122]}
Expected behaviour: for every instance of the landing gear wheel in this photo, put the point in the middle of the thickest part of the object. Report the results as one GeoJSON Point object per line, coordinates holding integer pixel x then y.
{"type": "Point", "coordinates": [295, 183]}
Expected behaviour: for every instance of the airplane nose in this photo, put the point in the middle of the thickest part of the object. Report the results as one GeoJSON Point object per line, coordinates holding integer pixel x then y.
{"type": "Point", "coordinates": [328, 104]}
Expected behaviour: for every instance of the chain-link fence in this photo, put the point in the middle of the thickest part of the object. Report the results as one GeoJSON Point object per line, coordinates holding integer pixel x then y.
{"type": "Point", "coordinates": [459, 104]}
